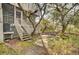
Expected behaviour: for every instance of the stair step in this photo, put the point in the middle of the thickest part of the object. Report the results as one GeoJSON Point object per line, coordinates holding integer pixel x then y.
{"type": "Point", "coordinates": [25, 39]}
{"type": "Point", "coordinates": [25, 36]}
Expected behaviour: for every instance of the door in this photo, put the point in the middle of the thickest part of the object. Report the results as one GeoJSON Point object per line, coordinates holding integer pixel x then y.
{"type": "Point", "coordinates": [18, 16]}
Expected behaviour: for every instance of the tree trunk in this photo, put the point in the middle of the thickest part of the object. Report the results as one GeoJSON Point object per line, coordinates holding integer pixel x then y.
{"type": "Point", "coordinates": [63, 29]}
{"type": "Point", "coordinates": [44, 29]}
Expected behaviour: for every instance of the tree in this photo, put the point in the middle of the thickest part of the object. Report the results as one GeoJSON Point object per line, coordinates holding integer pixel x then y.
{"type": "Point", "coordinates": [28, 14]}
{"type": "Point", "coordinates": [41, 10]}
{"type": "Point", "coordinates": [62, 13]}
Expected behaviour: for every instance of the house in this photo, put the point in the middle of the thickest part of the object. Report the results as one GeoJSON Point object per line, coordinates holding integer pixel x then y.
{"type": "Point", "coordinates": [13, 22]}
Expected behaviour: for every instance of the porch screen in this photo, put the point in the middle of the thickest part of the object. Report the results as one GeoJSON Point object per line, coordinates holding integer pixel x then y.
{"type": "Point", "coordinates": [8, 16]}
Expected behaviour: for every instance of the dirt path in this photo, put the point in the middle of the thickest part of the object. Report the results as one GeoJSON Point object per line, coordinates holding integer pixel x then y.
{"type": "Point", "coordinates": [35, 50]}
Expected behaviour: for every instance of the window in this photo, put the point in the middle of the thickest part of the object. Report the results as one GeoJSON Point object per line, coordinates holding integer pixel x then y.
{"type": "Point", "coordinates": [8, 16]}
{"type": "Point", "coordinates": [8, 13]}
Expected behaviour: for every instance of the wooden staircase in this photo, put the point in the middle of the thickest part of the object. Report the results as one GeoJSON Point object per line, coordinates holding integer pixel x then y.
{"type": "Point", "coordinates": [22, 32]}
{"type": "Point", "coordinates": [26, 37]}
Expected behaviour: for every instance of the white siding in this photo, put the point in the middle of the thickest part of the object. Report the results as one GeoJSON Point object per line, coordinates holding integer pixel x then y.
{"type": "Point", "coordinates": [1, 24]}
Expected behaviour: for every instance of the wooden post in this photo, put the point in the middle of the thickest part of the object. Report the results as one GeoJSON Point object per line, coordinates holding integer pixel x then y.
{"type": "Point", "coordinates": [14, 14]}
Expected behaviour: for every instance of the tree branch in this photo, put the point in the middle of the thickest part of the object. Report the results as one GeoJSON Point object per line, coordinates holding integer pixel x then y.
{"type": "Point", "coordinates": [42, 15]}
{"type": "Point", "coordinates": [26, 14]}
{"type": "Point", "coordinates": [70, 9]}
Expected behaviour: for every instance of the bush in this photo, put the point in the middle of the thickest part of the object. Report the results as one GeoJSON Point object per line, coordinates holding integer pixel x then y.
{"type": "Point", "coordinates": [69, 45]}
{"type": "Point", "coordinates": [4, 50]}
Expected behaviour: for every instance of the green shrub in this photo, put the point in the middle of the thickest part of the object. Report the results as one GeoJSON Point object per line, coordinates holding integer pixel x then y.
{"type": "Point", "coordinates": [4, 50]}
{"type": "Point", "coordinates": [69, 45]}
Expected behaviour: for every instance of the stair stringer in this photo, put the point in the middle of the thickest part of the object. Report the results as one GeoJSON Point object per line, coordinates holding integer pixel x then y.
{"type": "Point", "coordinates": [27, 27]}
{"type": "Point", "coordinates": [19, 30]}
